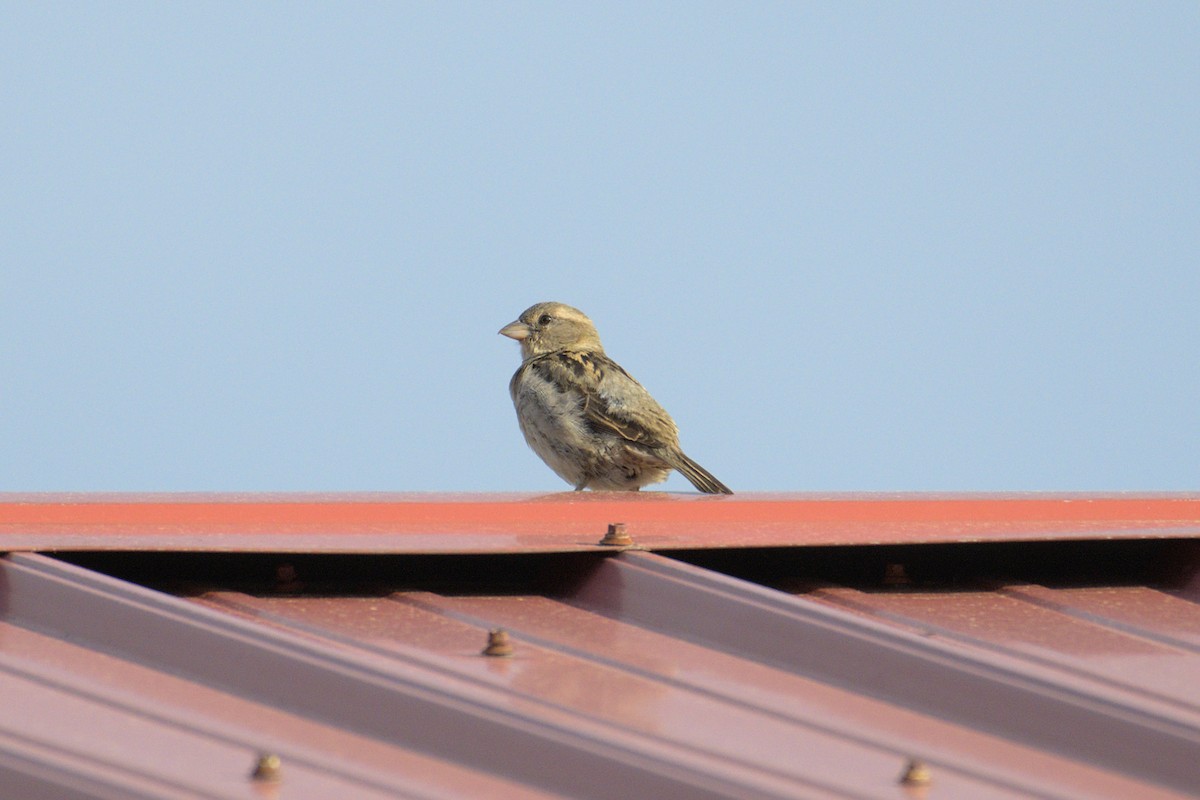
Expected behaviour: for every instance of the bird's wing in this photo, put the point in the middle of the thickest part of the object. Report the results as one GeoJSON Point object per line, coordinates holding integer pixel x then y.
{"type": "Point", "coordinates": [612, 399]}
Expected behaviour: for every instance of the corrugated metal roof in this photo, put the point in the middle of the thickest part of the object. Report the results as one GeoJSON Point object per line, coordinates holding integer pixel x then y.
{"type": "Point", "coordinates": [765, 652]}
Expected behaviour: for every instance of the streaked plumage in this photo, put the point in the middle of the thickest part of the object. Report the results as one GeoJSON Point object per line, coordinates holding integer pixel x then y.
{"type": "Point", "coordinates": [584, 415]}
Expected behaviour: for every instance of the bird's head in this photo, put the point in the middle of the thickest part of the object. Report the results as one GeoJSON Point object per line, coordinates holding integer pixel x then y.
{"type": "Point", "coordinates": [550, 327]}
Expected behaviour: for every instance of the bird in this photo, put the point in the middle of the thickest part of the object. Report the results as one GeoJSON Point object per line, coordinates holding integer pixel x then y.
{"type": "Point", "coordinates": [584, 415]}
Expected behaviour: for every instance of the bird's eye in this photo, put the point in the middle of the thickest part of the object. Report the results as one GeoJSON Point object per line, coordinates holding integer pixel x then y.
{"type": "Point", "coordinates": [544, 319]}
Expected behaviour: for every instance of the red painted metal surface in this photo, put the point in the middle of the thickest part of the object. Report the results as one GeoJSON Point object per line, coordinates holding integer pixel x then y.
{"type": "Point", "coordinates": [649, 678]}
{"type": "Point", "coordinates": [634, 674]}
{"type": "Point", "coordinates": [398, 697]}
{"type": "Point", "coordinates": [1145, 725]}
{"type": "Point", "coordinates": [567, 521]}
{"type": "Point", "coordinates": [736, 678]}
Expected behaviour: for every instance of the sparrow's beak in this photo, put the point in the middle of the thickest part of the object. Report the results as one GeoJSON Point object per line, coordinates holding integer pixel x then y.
{"type": "Point", "coordinates": [516, 330]}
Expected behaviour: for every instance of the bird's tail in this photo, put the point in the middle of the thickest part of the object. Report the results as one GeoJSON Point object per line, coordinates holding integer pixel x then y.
{"type": "Point", "coordinates": [701, 478]}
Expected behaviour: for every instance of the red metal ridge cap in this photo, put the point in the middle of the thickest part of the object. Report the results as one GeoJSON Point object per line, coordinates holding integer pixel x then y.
{"type": "Point", "coordinates": [565, 521]}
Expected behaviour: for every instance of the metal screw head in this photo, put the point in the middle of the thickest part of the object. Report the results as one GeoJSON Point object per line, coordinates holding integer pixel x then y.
{"type": "Point", "coordinates": [895, 575]}
{"type": "Point", "coordinates": [498, 644]}
{"type": "Point", "coordinates": [916, 773]}
{"type": "Point", "coordinates": [617, 536]}
{"type": "Point", "coordinates": [287, 579]}
{"type": "Point", "coordinates": [267, 768]}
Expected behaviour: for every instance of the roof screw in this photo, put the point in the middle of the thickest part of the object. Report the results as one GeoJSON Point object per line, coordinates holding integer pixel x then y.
{"type": "Point", "coordinates": [895, 575]}
{"type": "Point", "coordinates": [499, 643]}
{"type": "Point", "coordinates": [916, 773]}
{"type": "Point", "coordinates": [287, 579]}
{"type": "Point", "coordinates": [617, 536]}
{"type": "Point", "coordinates": [267, 769]}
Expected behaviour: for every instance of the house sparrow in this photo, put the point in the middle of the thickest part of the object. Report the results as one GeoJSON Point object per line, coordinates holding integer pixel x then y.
{"type": "Point", "coordinates": [592, 423]}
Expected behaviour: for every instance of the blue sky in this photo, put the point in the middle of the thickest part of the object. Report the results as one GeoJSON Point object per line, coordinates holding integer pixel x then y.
{"type": "Point", "coordinates": [849, 246]}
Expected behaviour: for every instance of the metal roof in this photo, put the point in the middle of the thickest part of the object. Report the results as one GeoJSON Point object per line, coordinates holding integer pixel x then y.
{"type": "Point", "coordinates": [760, 646]}
{"type": "Point", "coordinates": [522, 523]}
